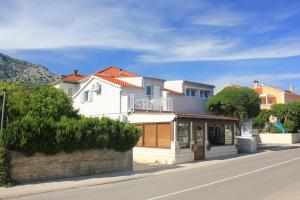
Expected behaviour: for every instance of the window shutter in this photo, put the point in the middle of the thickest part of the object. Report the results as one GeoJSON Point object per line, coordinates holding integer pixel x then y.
{"type": "Point", "coordinates": [90, 97]}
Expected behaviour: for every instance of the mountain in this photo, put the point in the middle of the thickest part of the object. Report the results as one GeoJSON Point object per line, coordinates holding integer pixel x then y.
{"type": "Point", "coordinates": [16, 70]}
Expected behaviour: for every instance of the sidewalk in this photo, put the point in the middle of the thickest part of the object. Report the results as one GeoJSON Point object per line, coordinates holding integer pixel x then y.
{"type": "Point", "coordinates": [140, 171]}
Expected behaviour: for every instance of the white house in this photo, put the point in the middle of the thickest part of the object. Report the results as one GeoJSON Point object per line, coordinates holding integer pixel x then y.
{"type": "Point", "coordinates": [175, 124]}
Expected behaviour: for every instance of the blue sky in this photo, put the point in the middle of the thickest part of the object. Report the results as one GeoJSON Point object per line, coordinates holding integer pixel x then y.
{"type": "Point", "coordinates": [217, 42]}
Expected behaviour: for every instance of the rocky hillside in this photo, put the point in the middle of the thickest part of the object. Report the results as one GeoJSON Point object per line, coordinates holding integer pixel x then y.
{"type": "Point", "coordinates": [16, 70]}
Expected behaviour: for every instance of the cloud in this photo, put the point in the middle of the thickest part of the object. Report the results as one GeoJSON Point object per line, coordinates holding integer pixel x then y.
{"type": "Point", "coordinates": [59, 24]}
{"type": "Point", "coordinates": [222, 50]}
{"type": "Point", "coordinates": [220, 18]}
{"type": "Point", "coordinates": [193, 32]}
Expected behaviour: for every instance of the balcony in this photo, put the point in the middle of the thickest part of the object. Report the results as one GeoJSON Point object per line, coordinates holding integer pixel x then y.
{"type": "Point", "coordinates": [146, 103]}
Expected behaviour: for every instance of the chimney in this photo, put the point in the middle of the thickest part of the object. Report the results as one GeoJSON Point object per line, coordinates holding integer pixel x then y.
{"type": "Point", "coordinates": [74, 72]}
{"type": "Point", "coordinates": [255, 84]}
{"type": "Point", "coordinates": [292, 89]}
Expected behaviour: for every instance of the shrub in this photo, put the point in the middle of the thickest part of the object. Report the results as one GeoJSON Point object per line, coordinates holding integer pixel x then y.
{"type": "Point", "coordinates": [243, 103]}
{"type": "Point", "coordinates": [49, 102]}
{"type": "Point", "coordinates": [30, 135]}
{"type": "Point", "coordinates": [4, 167]}
{"type": "Point", "coordinates": [290, 125]}
{"type": "Point", "coordinates": [262, 119]}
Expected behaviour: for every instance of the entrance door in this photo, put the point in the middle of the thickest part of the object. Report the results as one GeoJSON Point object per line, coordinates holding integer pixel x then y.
{"type": "Point", "coordinates": [198, 137]}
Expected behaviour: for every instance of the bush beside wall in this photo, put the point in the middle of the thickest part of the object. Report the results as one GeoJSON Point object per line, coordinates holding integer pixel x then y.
{"type": "Point", "coordinates": [30, 135]}
{"type": "Point", "coordinates": [4, 167]}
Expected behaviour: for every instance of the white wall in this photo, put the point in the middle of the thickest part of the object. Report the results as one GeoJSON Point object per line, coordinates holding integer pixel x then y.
{"type": "Point", "coordinates": [138, 81]}
{"type": "Point", "coordinates": [151, 117]}
{"type": "Point", "coordinates": [64, 86]}
{"type": "Point", "coordinates": [106, 103]}
{"type": "Point", "coordinates": [278, 138]}
{"type": "Point", "coordinates": [188, 104]}
{"type": "Point", "coordinates": [176, 85]}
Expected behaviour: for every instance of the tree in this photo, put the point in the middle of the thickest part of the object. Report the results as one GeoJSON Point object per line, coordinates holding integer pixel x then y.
{"type": "Point", "coordinates": [288, 115]}
{"type": "Point", "coordinates": [49, 102]}
{"type": "Point", "coordinates": [36, 101]}
{"type": "Point", "coordinates": [243, 103]}
{"type": "Point", "coordinates": [262, 119]}
{"type": "Point", "coordinates": [17, 99]}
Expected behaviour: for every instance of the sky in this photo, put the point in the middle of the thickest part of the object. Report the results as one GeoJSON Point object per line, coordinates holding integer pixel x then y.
{"type": "Point", "coordinates": [210, 41]}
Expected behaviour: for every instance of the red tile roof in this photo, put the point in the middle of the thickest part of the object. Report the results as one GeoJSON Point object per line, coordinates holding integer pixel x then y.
{"type": "Point", "coordinates": [114, 80]}
{"type": "Point", "coordinates": [73, 77]}
{"type": "Point", "coordinates": [116, 72]}
{"type": "Point", "coordinates": [204, 116]}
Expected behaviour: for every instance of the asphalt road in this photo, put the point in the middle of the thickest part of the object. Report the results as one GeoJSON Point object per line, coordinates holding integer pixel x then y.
{"type": "Point", "coordinates": [270, 176]}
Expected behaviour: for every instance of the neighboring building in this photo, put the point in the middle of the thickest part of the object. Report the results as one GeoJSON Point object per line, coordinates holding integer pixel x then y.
{"type": "Point", "coordinates": [171, 114]}
{"type": "Point", "coordinates": [270, 95]}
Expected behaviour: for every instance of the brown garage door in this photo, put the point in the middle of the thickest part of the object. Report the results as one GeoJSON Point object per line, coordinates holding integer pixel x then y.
{"type": "Point", "coordinates": [150, 135]}
{"type": "Point", "coordinates": [164, 135]}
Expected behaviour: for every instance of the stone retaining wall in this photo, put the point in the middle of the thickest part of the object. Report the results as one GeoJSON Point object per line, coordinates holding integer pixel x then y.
{"type": "Point", "coordinates": [219, 151]}
{"type": "Point", "coordinates": [173, 155]}
{"type": "Point", "coordinates": [41, 167]}
{"type": "Point", "coordinates": [278, 138]}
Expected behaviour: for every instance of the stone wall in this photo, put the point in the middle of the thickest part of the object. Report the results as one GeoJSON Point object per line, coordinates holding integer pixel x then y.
{"type": "Point", "coordinates": [278, 138]}
{"type": "Point", "coordinates": [41, 167]}
{"type": "Point", "coordinates": [219, 151]}
{"type": "Point", "coordinates": [173, 155]}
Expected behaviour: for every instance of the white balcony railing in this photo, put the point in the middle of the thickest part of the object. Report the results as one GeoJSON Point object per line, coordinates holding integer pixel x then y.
{"type": "Point", "coordinates": [147, 103]}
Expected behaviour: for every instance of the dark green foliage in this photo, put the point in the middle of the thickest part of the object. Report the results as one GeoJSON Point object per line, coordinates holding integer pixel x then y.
{"type": "Point", "coordinates": [286, 114]}
{"type": "Point", "coordinates": [49, 102]}
{"type": "Point", "coordinates": [262, 119]}
{"type": "Point", "coordinates": [243, 103]}
{"type": "Point", "coordinates": [290, 125]}
{"type": "Point", "coordinates": [30, 135]}
{"type": "Point", "coordinates": [42, 119]}
{"type": "Point", "coordinates": [4, 167]}
{"type": "Point", "coordinates": [43, 102]}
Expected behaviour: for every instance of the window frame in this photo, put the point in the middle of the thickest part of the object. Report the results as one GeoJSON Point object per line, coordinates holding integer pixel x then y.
{"type": "Point", "coordinates": [149, 86]}
{"type": "Point", "coordinates": [184, 145]}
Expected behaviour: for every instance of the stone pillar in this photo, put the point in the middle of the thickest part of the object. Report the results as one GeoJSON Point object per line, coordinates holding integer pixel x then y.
{"type": "Point", "coordinates": [205, 137]}
{"type": "Point", "coordinates": [174, 143]}
{"type": "Point", "coordinates": [191, 135]}
{"type": "Point", "coordinates": [234, 134]}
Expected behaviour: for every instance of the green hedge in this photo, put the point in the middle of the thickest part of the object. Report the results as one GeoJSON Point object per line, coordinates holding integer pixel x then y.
{"type": "Point", "coordinates": [30, 135]}
{"type": "Point", "coordinates": [4, 167]}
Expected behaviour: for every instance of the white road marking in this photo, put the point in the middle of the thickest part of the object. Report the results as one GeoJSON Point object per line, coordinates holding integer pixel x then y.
{"type": "Point", "coordinates": [223, 180]}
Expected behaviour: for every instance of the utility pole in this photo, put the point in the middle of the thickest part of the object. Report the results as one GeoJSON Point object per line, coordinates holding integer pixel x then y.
{"type": "Point", "coordinates": [3, 111]}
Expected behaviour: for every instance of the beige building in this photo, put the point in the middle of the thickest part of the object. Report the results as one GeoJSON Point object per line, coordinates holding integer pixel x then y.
{"type": "Point", "coordinates": [270, 95]}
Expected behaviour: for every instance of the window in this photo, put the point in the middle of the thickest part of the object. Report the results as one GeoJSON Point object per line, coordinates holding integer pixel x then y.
{"type": "Point", "coordinates": [85, 96]}
{"type": "Point", "coordinates": [191, 92]}
{"type": "Point", "coordinates": [188, 92]}
{"type": "Point", "coordinates": [70, 92]}
{"type": "Point", "coordinates": [183, 134]}
{"type": "Point", "coordinates": [149, 90]}
{"type": "Point", "coordinates": [220, 134]}
{"type": "Point", "coordinates": [204, 94]}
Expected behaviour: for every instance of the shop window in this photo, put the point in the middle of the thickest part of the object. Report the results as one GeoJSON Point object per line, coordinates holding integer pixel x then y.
{"type": "Point", "coordinates": [183, 134]}
{"type": "Point", "coordinates": [220, 134]}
